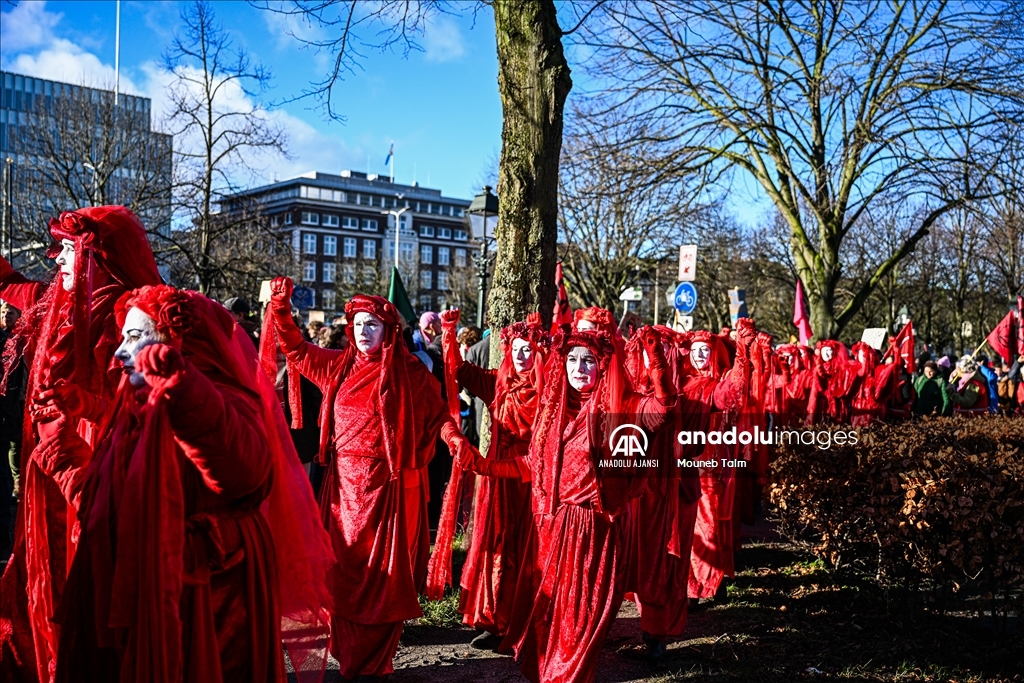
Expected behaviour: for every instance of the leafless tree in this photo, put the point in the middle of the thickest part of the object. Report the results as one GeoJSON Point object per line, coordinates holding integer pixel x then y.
{"type": "Point", "coordinates": [220, 128]}
{"type": "Point", "coordinates": [534, 81]}
{"type": "Point", "coordinates": [79, 148]}
{"type": "Point", "coordinates": [828, 106]}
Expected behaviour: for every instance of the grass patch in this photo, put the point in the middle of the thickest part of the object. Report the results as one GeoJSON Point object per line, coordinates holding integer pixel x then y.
{"type": "Point", "coordinates": [444, 613]}
{"type": "Point", "coordinates": [788, 618]}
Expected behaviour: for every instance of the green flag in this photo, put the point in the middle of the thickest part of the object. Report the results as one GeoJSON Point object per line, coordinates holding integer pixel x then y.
{"type": "Point", "coordinates": [397, 296]}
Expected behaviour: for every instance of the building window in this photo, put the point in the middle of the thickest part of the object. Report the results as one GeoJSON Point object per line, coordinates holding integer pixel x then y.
{"type": "Point", "coordinates": [348, 273]}
{"type": "Point", "coordinates": [461, 236]}
{"type": "Point", "coordinates": [310, 218]}
{"type": "Point", "coordinates": [405, 250]}
{"type": "Point", "coordinates": [369, 276]}
{"type": "Point", "coordinates": [370, 249]}
{"type": "Point", "coordinates": [287, 219]}
{"type": "Point", "coordinates": [442, 280]}
{"type": "Point", "coordinates": [426, 231]}
{"type": "Point", "coordinates": [426, 254]}
{"type": "Point", "coordinates": [308, 243]}
{"type": "Point", "coordinates": [330, 245]}
{"type": "Point", "coordinates": [460, 258]}
{"type": "Point", "coordinates": [370, 224]}
{"type": "Point", "coordinates": [426, 302]}
{"type": "Point", "coordinates": [275, 221]}
{"type": "Point", "coordinates": [443, 256]}
{"type": "Point", "coordinates": [327, 297]}
{"type": "Point", "coordinates": [351, 223]}
{"type": "Point", "coordinates": [330, 221]}
{"type": "Point", "coordinates": [350, 247]}
{"type": "Point", "coordinates": [426, 279]}
{"type": "Point", "coordinates": [444, 233]}
{"type": "Point", "coordinates": [309, 271]}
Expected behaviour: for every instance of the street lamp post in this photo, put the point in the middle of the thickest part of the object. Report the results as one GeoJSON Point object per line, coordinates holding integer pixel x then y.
{"type": "Point", "coordinates": [398, 223]}
{"type": "Point", "coordinates": [483, 204]}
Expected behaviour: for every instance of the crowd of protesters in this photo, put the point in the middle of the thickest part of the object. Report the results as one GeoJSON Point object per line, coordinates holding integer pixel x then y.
{"type": "Point", "coordinates": [198, 487]}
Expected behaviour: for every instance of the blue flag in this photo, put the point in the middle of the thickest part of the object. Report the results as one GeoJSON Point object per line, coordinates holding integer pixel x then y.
{"type": "Point", "coordinates": [391, 153]}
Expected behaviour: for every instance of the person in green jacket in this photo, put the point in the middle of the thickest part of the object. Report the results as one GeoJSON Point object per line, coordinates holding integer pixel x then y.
{"type": "Point", "coordinates": [932, 396]}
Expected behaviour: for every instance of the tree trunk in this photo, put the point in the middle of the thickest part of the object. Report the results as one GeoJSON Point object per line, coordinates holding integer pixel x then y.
{"type": "Point", "coordinates": [534, 81]}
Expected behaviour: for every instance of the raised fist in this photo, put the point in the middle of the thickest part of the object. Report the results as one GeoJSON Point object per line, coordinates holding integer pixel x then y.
{"type": "Point", "coordinates": [68, 399]}
{"type": "Point", "coordinates": [450, 317]}
{"type": "Point", "coordinates": [281, 292]}
{"type": "Point", "coordinates": [159, 360]}
{"type": "Point", "coordinates": [651, 341]}
{"type": "Point", "coordinates": [745, 332]}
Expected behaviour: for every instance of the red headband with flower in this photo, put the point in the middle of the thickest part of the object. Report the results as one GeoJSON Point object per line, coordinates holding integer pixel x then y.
{"type": "Point", "coordinates": [170, 308]}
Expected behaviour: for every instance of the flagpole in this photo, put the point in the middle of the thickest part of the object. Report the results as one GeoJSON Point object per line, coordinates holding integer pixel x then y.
{"type": "Point", "coordinates": [392, 162]}
{"type": "Point", "coordinates": [117, 52]}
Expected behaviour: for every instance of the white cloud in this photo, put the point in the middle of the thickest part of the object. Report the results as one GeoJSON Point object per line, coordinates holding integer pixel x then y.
{"type": "Point", "coordinates": [28, 25]}
{"type": "Point", "coordinates": [443, 41]}
{"type": "Point", "coordinates": [35, 50]}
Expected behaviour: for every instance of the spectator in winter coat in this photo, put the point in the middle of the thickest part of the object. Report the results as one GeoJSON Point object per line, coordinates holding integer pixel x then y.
{"type": "Point", "coordinates": [931, 392]}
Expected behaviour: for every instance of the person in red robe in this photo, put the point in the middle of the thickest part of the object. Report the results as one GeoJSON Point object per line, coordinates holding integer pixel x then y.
{"type": "Point", "coordinates": [664, 514]}
{"type": "Point", "coordinates": [503, 512]}
{"type": "Point", "coordinates": [581, 507]}
{"type": "Point", "coordinates": [380, 418]}
{"type": "Point", "coordinates": [102, 252]}
{"type": "Point", "coordinates": [792, 384]}
{"type": "Point", "coordinates": [872, 386]}
{"type": "Point", "coordinates": [832, 382]}
{"type": "Point", "coordinates": [177, 575]}
{"type": "Point", "coordinates": [711, 398]}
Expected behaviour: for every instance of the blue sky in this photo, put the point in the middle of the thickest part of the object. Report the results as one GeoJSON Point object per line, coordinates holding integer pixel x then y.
{"type": "Point", "coordinates": [439, 106]}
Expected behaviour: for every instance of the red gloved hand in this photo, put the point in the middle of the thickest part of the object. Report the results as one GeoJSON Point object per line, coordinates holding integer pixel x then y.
{"type": "Point", "coordinates": [281, 289]}
{"type": "Point", "coordinates": [651, 341]}
{"type": "Point", "coordinates": [159, 360]}
{"type": "Point", "coordinates": [69, 400]}
{"type": "Point", "coordinates": [450, 317]}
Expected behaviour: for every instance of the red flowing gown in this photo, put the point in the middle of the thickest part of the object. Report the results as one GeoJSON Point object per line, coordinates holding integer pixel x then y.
{"type": "Point", "coordinates": [503, 512]}
{"type": "Point", "coordinates": [707, 405]}
{"type": "Point", "coordinates": [376, 517]}
{"type": "Point", "coordinates": [583, 551]}
{"type": "Point", "coordinates": [229, 616]}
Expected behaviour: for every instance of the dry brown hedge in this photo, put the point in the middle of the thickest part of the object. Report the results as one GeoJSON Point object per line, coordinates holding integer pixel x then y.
{"type": "Point", "coordinates": [939, 501]}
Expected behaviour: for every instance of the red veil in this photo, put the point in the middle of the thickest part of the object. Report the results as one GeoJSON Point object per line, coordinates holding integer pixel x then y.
{"type": "Point", "coordinates": [149, 556]}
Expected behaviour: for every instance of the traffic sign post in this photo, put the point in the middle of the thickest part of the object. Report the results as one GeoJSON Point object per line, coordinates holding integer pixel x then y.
{"type": "Point", "coordinates": [685, 298]}
{"type": "Point", "coordinates": [687, 262]}
{"type": "Point", "coordinates": [630, 294]}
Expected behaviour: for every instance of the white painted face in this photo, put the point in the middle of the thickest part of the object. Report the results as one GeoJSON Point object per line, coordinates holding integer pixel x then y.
{"type": "Point", "coordinates": [862, 357]}
{"type": "Point", "coordinates": [368, 330]}
{"type": "Point", "coordinates": [522, 355]}
{"type": "Point", "coordinates": [139, 331]}
{"type": "Point", "coordinates": [581, 368]}
{"type": "Point", "coordinates": [826, 353]}
{"type": "Point", "coordinates": [585, 326]}
{"type": "Point", "coordinates": [66, 261]}
{"type": "Point", "coordinates": [700, 352]}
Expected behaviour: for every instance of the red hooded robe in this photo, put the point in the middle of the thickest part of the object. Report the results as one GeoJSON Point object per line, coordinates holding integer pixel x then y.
{"type": "Point", "coordinates": [504, 509]}
{"type": "Point", "coordinates": [380, 419]}
{"type": "Point", "coordinates": [75, 337]}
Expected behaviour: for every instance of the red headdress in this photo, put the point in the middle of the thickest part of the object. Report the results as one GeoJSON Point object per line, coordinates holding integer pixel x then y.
{"type": "Point", "coordinates": [150, 551]}
{"type": "Point", "coordinates": [718, 362]}
{"type": "Point", "coordinates": [112, 254]}
{"type": "Point", "coordinates": [605, 403]}
{"type": "Point", "coordinates": [867, 367]}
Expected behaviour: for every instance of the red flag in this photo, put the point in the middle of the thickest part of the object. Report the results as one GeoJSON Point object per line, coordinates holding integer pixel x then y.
{"type": "Point", "coordinates": [904, 345]}
{"type": "Point", "coordinates": [800, 317]}
{"type": "Point", "coordinates": [563, 313]}
{"type": "Point", "coordinates": [1020, 328]}
{"type": "Point", "coordinates": [1004, 337]}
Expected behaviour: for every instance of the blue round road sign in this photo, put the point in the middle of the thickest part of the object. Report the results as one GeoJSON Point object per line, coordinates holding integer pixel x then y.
{"type": "Point", "coordinates": [685, 299]}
